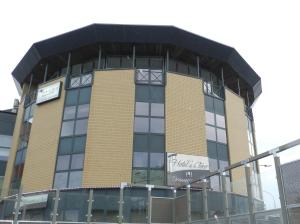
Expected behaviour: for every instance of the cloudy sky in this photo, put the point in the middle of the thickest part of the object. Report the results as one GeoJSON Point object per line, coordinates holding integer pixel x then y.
{"type": "Point", "coordinates": [266, 33]}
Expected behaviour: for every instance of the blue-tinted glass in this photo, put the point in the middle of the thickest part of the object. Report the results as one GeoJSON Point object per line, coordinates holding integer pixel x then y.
{"type": "Point", "coordinates": [157, 160]}
{"type": "Point", "coordinates": [79, 144]}
{"type": "Point", "coordinates": [157, 125]}
{"type": "Point", "coordinates": [77, 161]}
{"type": "Point", "coordinates": [157, 94]}
{"type": "Point", "coordinates": [81, 127]}
{"type": "Point", "coordinates": [139, 176]}
{"type": "Point", "coordinates": [157, 143]}
{"type": "Point", "coordinates": [219, 106]}
{"type": "Point", "coordinates": [83, 110]}
{"type": "Point", "coordinates": [75, 179]}
{"type": "Point", "coordinates": [84, 96]}
{"type": "Point", "coordinates": [67, 128]}
{"type": "Point", "coordinates": [63, 162]}
{"type": "Point", "coordinates": [222, 152]}
{"type": "Point", "coordinates": [65, 146]}
{"type": "Point", "coordinates": [209, 104]}
{"type": "Point", "coordinates": [212, 150]}
{"type": "Point", "coordinates": [157, 177]}
{"type": "Point", "coordinates": [71, 98]}
{"type": "Point", "coordinates": [140, 142]}
{"type": "Point", "coordinates": [60, 180]}
{"type": "Point", "coordinates": [141, 124]}
{"type": "Point", "coordinates": [142, 93]}
{"type": "Point", "coordinates": [140, 159]}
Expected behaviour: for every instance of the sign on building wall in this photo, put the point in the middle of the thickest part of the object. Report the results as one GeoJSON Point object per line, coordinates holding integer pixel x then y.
{"type": "Point", "coordinates": [183, 169]}
{"type": "Point", "coordinates": [47, 93]}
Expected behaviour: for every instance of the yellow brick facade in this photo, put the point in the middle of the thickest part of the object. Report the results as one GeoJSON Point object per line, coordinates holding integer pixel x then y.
{"type": "Point", "coordinates": [108, 153]}
{"type": "Point", "coordinates": [185, 116]}
{"type": "Point", "coordinates": [42, 147]}
{"type": "Point", "coordinates": [237, 137]}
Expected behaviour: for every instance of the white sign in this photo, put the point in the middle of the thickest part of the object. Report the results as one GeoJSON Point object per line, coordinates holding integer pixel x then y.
{"type": "Point", "coordinates": [48, 93]}
{"type": "Point", "coordinates": [181, 162]}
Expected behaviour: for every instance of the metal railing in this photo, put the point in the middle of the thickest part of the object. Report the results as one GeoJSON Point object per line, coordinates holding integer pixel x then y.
{"type": "Point", "coordinates": [244, 198]}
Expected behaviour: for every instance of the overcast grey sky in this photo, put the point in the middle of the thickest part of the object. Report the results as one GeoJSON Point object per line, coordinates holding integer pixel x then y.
{"type": "Point", "coordinates": [266, 33]}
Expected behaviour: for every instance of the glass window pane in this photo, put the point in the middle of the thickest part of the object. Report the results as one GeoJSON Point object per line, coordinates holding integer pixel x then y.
{"type": "Point", "coordinates": [83, 110]}
{"type": "Point", "coordinates": [75, 82]}
{"type": "Point", "coordinates": [182, 68]}
{"type": "Point", "coordinates": [157, 143]}
{"type": "Point", "coordinates": [157, 160]}
{"type": "Point", "coordinates": [212, 150]}
{"type": "Point", "coordinates": [81, 127]}
{"type": "Point", "coordinates": [142, 62]}
{"type": "Point", "coordinates": [77, 161]}
{"type": "Point", "coordinates": [79, 144]}
{"type": "Point", "coordinates": [69, 112]}
{"type": "Point", "coordinates": [76, 69]}
{"type": "Point", "coordinates": [141, 108]}
{"type": "Point", "coordinates": [113, 62]}
{"type": "Point", "coordinates": [210, 118]}
{"type": "Point", "coordinates": [67, 128]}
{"type": "Point", "coordinates": [87, 67]}
{"type": "Point", "coordinates": [219, 106]}
{"type": "Point", "coordinates": [213, 164]}
{"type": "Point", "coordinates": [142, 93]}
{"type": "Point", "coordinates": [84, 96]}
{"type": "Point", "coordinates": [139, 176]}
{"type": "Point", "coordinates": [210, 133]}
{"type": "Point", "coordinates": [141, 124]}
{"type": "Point", "coordinates": [209, 104]}
{"type": "Point", "coordinates": [72, 96]}
{"type": "Point", "coordinates": [60, 180]}
{"type": "Point", "coordinates": [140, 143]}
{"type": "Point", "coordinates": [65, 146]}
{"type": "Point", "coordinates": [142, 76]}
{"type": "Point", "coordinates": [220, 120]}
{"type": "Point", "coordinates": [156, 63]}
{"type": "Point", "coordinates": [222, 152]}
{"type": "Point", "coordinates": [157, 125]}
{"type": "Point", "coordinates": [157, 177]}
{"type": "Point", "coordinates": [223, 164]}
{"type": "Point", "coordinates": [63, 162]}
{"type": "Point", "coordinates": [221, 136]}
{"type": "Point", "coordinates": [156, 77]}
{"type": "Point", "coordinates": [126, 62]}
{"type": "Point", "coordinates": [157, 94]}
{"type": "Point", "coordinates": [140, 159]}
{"type": "Point", "coordinates": [86, 79]}
{"type": "Point", "coordinates": [75, 179]}
{"type": "Point", "coordinates": [157, 109]}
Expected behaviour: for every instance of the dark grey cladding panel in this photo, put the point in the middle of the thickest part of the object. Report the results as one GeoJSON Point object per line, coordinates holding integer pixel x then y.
{"type": "Point", "coordinates": [7, 123]}
{"type": "Point", "coordinates": [107, 33]}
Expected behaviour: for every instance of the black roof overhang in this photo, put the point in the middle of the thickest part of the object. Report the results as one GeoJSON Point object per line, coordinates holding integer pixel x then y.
{"type": "Point", "coordinates": [143, 34]}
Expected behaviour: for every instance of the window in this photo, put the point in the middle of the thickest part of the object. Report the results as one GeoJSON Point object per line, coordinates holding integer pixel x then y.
{"type": "Point", "coordinates": [140, 159]}
{"type": "Point", "coordinates": [221, 136]}
{"type": "Point", "coordinates": [141, 124]}
{"type": "Point", "coordinates": [210, 118]}
{"type": "Point", "coordinates": [157, 109]}
{"type": "Point", "coordinates": [71, 148]}
{"type": "Point", "coordinates": [67, 128]}
{"type": "Point", "coordinates": [210, 133]}
{"type": "Point", "coordinates": [149, 126]}
{"type": "Point", "coordinates": [142, 108]}
{"type": "Point", "coordinates": [220, 121]}
{"type": "Point", "coordinates": [81, 127]}
{"type": "Point", "coordinates": [157, 125]}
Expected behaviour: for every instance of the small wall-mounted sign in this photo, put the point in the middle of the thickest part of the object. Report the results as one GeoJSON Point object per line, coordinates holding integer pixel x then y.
{"type": "Point", "coordinates": [48, 93]}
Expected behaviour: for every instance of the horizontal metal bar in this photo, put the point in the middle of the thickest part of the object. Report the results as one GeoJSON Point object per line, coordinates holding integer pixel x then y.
{"type": "Point", "coordinates": [293, 205]}
{"type": "Point", "coordinates": [249, 160]}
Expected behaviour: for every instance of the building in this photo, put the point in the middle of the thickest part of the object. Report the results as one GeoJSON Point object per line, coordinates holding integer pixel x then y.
{"type": "Point", "coordinates": [7, 124]}
{"type": "Point", "coordinates": [108, 104]}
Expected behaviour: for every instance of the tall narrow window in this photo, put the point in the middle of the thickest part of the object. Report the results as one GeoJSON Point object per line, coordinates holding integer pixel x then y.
{"type": "Point", "coordinates": [70, 159]}
{"type": "Point", "coordinates": [149, 123]}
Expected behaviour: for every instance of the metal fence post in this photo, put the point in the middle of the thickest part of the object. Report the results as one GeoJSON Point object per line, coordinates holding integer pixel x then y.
{"type": "Point", "coordinates": [225, 192]}
{"type": "Point", "coordinates": [149, 206]}
{"type": "Point", "coordinates": [188, 197]}
{"type": "Point", "coordinates": [90, 206]}
{"type": "Point", "coordinates": [55, 206]}
{"type": "Point", "coordinates": [121, 202]}
{"type": "Point", "coordinates": [284, 210]}
{"type": "Point", "coordinates": [250, 193]}
{"type": "Point", "coordinates": [174, 207]}
{"type": "Point", "coordinates": [18, 206]}
{"type": "Point", "coordinates": [204, 199]}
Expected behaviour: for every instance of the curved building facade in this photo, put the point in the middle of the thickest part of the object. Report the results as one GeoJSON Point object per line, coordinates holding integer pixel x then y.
{"type": "Point", "coordinates": [145, 105]}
